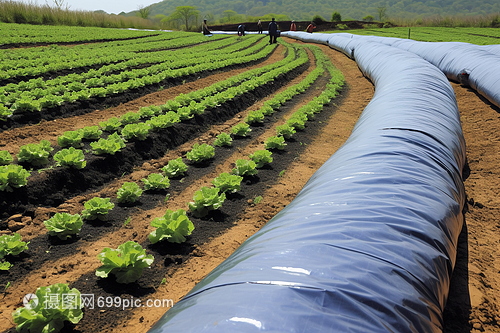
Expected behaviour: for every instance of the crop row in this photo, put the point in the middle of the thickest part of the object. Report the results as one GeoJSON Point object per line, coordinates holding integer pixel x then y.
{"type": "Point", "coordinates": [46, 34]}
{"type": "Point", "coordinates": [56, 58]}
{"type": "Point", "coordinates": [56, 92]}
{"type": "Point", "coordinates": [136, 125]}
{"type": "Point", "coordinates": [12, 175]}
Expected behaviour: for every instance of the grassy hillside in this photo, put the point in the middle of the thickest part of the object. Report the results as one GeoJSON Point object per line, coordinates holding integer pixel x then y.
{"type": "Point", "coordinates": [306, 9]}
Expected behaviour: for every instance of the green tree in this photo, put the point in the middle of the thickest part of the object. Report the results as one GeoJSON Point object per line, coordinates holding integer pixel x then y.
{"type": "Point", "coordinates": [336, 17]}
{"type": "Point", "coordinates": [143, 12]}
{"type": "Point", "coordinates": [381, 13]}
{"type": "Point", "coordinates": [185, 13]}
{"type": "Point", "coordinates": [368, 18]}
{"type": "Point", "coordinates": [229, 13]}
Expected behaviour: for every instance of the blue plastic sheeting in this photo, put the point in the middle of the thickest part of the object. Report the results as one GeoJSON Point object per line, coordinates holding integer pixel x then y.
{"type": "Point", "coordinates": [472, 65]}
{"type": "Point", "coordinates": [369, 243]}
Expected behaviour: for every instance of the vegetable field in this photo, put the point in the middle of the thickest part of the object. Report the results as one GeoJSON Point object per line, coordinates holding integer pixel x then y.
{"type": "Point", "coordinates": [133, 163]}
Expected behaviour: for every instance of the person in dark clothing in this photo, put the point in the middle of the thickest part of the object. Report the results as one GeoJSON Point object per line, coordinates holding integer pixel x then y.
{"type": "Point", "coordinates": [273, 31]}
{"type": "Point", "coordinates": [259, 26]}
{"type": "Point", "coordinates": [241, 30]}
{"type": "Point", "coordinates": [205, 28]}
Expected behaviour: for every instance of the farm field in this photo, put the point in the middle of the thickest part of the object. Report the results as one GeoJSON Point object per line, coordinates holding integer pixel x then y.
{"type": "Point", "coordinates": [212, 85]}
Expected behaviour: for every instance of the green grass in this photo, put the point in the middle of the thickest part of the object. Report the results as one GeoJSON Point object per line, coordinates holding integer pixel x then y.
{"type": "Point", "coordinates": [480, 36]}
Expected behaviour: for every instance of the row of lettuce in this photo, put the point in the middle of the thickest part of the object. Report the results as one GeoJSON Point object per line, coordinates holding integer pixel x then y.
{"type": "Point", "coordinates": [37, 94]}
{"type": "Point", "coordinates": [138, 125]}
{"type": "Point", "coordinates": [129, 259]}
{"type": "Point", "coordinates": [47, 34]}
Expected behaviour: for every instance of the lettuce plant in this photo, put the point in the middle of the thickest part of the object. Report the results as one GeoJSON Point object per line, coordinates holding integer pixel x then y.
{"type": "Point", "coordinates": [275, 142]}
{"type": "Point", "coordinates": [138, 131]}
{"type": "Point", "coordinates": [126, 262]}
{"type": "Point", "coordinates": [129, 192]}
{"type": "Point", "coordinates": [297, 122]}
{"type": "Point", "coordinates": [241, 129]}
{"type": "Point", "coordinates": [223, 139]}
{"type": "Point", "coordinates": [97, 208]}
{"type": "Point", "coordinates": [285, 130]}
{"type": "Point", "coordinates": [185, 113]}
{"type": "Point", "coordinates": [130, 118]}
{"type": "Point", "coordinates": [47, 315]}
{"type": "Point", "coordinates": [175, 168]}
{"type": "Point", "coordinates": [70, 158]}
{"type": "Point", "coordinates": [156, 181]}
{"type": "Point", "coordinates": [200, 153]}
{"type": "Point", "coordinates": [255, 117]}
{"type": "Point", "coordinates": [10, 245]}
{"type": "Point", "coordinates": [205, 200]}
{"type": "Point", "coordinates": [245, 168]}
{"type": "Point", "coordinates": [5, 157]}
{"type": "Point", "coordinates": [226, 182]}
{"type": "Point", "coordinates": [261, 157]}
{"type": "Point", "coordinates": [5, 113]}
{"type": "Point", "coordinates": [113, 144]}
{"type": "Point", "coordinates": [12, 176]}
{"type": "Point", "coordinates": [35, 154]}
{"type": "Point", "coordinates": [91, 132]}
{"type": "Point", "coordinates": [70, 139]}
{"type": "Point", "coordinates": [173, 227]}
{"type": "Point", "coordinates": [163, 121]}
{"type": "Point", "coordinates": [64, 225]}
{"type": "Point", "coordinates": [110, 125]}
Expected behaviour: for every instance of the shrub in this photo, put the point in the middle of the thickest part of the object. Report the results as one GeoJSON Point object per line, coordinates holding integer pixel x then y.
{"type": "Point", "coordinates": [318, 19]}
{"type": "Point", "coordinates": [336, 17]}
{"type": "Point", "coordinates": [368, 18]}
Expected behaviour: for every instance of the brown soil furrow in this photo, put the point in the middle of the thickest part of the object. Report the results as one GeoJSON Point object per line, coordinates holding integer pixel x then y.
{"type": "Point", "coordinates": [475, 286]}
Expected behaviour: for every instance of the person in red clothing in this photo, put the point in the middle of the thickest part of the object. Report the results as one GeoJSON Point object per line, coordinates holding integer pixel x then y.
{"type": "Point", "coordinates": [293, 27]}
{"type": "Point", "coordinates": [310, 28]}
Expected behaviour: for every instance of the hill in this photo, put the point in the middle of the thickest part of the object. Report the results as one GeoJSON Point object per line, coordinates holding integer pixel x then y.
{"type": "Point", "coordinates": [306, 9]}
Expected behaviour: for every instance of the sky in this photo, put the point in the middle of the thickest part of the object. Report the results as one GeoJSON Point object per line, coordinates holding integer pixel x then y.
{"type": "Point", "coordinates": [109, 6]}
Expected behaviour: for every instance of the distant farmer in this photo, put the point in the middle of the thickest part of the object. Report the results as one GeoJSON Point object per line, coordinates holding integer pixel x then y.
{"type": "Point", "coordinates": [310, 28]}
{"type": "Point", "coordinates": [241, 30]}
{"type": "Point", "coordinates": [259, 26]}
{"type": "Point", "coordinates": [293, 27]}
{"type": "Point", "coordinates": [273, 31]}
{"type": "Point", "coordinates": [205, 28]}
